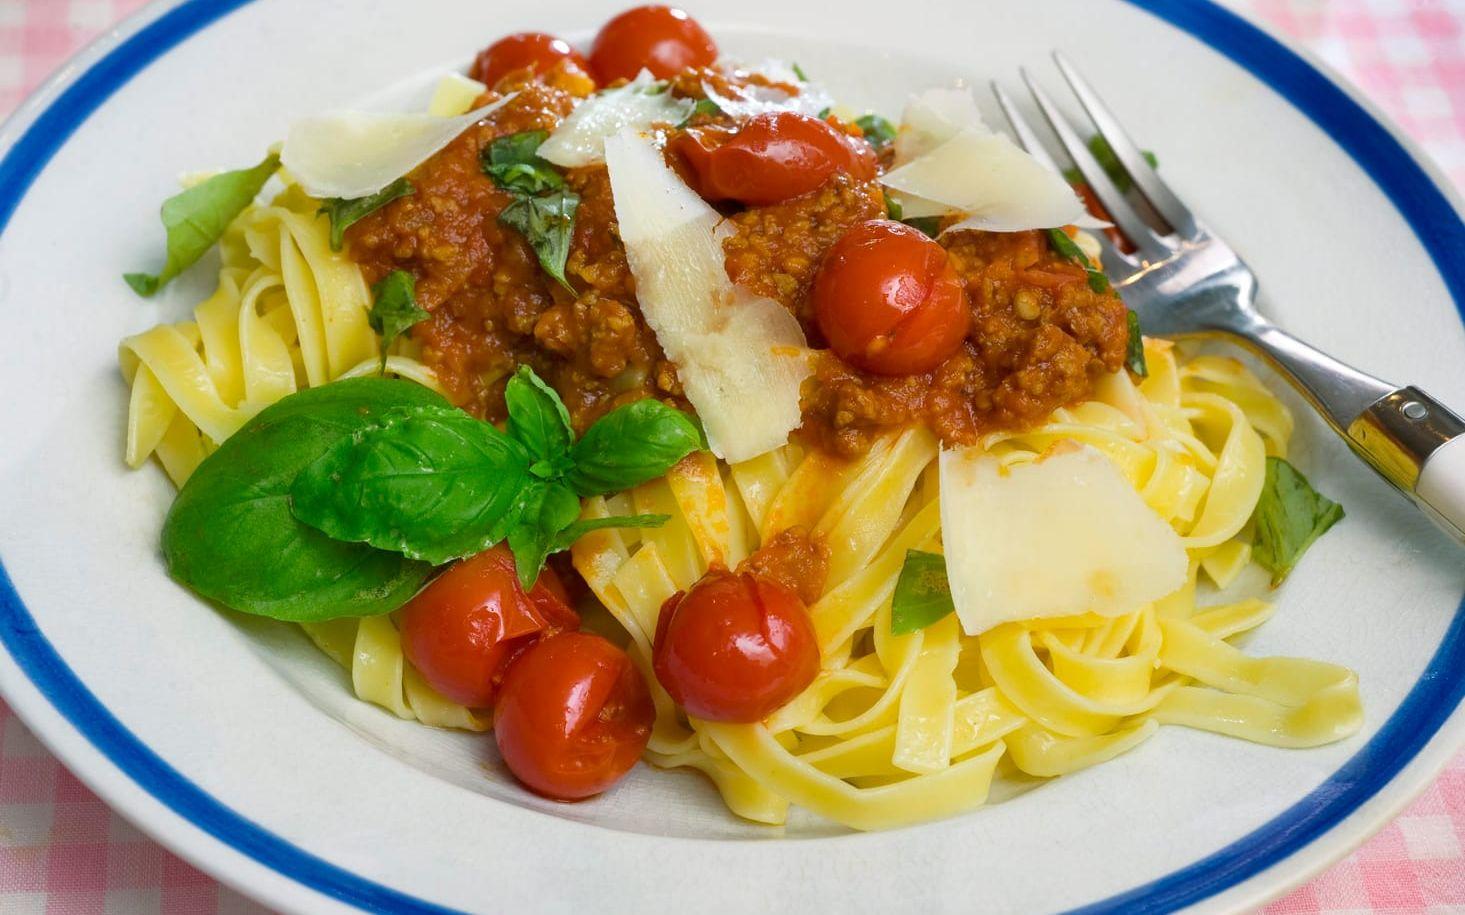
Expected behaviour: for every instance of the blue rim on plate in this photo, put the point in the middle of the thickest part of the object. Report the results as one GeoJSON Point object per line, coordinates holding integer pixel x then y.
{"type": "Point", "coordinates": [1424, 711]}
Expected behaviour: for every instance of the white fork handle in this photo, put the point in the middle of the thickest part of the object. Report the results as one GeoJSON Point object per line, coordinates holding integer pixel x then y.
{"type": "Point", "coordinates": [1441, 486]}
{"type": "Point", "coordinates": [1418, 444]}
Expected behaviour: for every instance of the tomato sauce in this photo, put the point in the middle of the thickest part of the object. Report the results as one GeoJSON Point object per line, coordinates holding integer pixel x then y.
{"type": "Point", "coordinates": [1038, 335]}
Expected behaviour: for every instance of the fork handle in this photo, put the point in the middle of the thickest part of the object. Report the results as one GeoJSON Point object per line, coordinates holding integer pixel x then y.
{"type": "Point", "coordinates": [1417, 444]}
{"type": "Point", "coordinates": [1414, 442]}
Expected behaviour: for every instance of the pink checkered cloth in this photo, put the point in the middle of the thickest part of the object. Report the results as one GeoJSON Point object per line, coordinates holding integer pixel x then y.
{"type": "Point", "coordinates": [63, 852]}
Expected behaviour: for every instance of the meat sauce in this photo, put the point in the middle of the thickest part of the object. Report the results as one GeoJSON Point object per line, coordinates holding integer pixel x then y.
{"type": "Point", "coordinates": [1038, 335]}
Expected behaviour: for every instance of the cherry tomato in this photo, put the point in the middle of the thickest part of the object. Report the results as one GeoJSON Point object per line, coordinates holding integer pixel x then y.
{"type": "Point", "coordinates": [774, 156]}
{"type": "Point", "coordinates": [534, 51]}
{"type": "Point", "coordinates": [461, 631]}
{"type": "Point", "coordinates": [889, 301]}
{"type": "Point", "coordinates": [735, 647]}
{"type": "Point", "coordinates": [573, 716]}
{"type": "Point", "coordinates": [662, 39]}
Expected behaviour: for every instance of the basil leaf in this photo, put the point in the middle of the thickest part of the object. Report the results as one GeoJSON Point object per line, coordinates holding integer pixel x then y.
{"type": "Point", "coordinates": [893, 209]}
{"type": "Point", "coordinates": [1067, 247]}
{"type": "Point", "coordinates": [1289, 517]}
{"type": "Point", "coordinates": [514, 164]}
{"type": "Point", "coordinates": [1109, 162]}
{"type": "Point", "coordinates": [931, 225]}
{"type": "Point", "coordinates": [548, 509]}
{"type": "Point", "coordinates": [878, 132]}
{"type": "Point", "coordinates": [432, 483]}
{"type": "Point", "coordinates": [1134, 352]}
{"type": "Point", "coordinates": [394, 308]}
{"type": "Point", "coordinates": [548, 224]}
{"type": "Point", "coordinates": [343, 213]}
{"type": "Point", "coordinates": [922, 593]}
{"type": "Point", "coordinates": [539, 421]}
{"type": "Point", "coordinates": [567, 537]}
{"type": "Point", "coordinates": [197, 218]}
{"type": "Point", "coordinates": [630, 445]}
{"type": "Point", "coordinates": [799, 72]}
{"type": "Point", "coordinates": [705, 107]}
{"type": "Point", "coordinates": [231, 537]}
{"type": "Point", "coordinates": [823, 112]}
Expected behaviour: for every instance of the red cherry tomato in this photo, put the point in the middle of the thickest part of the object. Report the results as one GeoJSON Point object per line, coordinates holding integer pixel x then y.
{"type": "Point", "coordinates": [573, 716]}
{"type": "Point", "coordinates": [735, 647]}
{"type": "Point", "coordinates": [774, 156]}
{"type": "Point", "coordinates": [889, 301]}
{"type": "Point", "coordinates": [461, 631]}
{"type": "Point", "coordinates": [662, 39]}
{"type": "Point", "coordinates": [534, 51]}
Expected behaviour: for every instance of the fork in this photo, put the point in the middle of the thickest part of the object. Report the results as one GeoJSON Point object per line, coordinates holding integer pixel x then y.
{"type": "Point", "coordinates": [1185, 281]}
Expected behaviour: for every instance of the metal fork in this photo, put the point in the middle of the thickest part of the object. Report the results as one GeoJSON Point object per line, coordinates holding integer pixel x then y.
{"type": "Point", "coordinates": [1184, 281]}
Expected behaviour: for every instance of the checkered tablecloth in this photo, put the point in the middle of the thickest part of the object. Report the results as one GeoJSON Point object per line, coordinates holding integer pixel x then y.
{"type": "Point", "coordinates": [63, 852]}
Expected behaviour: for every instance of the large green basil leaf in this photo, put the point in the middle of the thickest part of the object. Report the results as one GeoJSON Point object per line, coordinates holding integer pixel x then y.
{"type": "Point", "coordinates": [1289, 517]}
{"type": "Point", "coordinates": [630, 445]}
{"type": "Point", "coordinates": [548, 509]}
{"type": "Point", "coordinates": [197, 217]}
{"type": "Point", "coordinates": [430, 482]}
{"type": "Point", "coordinates": [539, 421]}
{"type": "Point", "coordinates": [231, 537]}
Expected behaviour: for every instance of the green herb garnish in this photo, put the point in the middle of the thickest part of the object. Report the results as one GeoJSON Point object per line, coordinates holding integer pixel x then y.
{"type": "Point", "coordinates": [548, 224]}
{"type": "Point", "coordinates": [705, 107]}
{"type": "Point", "coordinates": [878, 132]}
{"type": "Point", "coordinates": [514, 164]}
{"type": "Point", "coordinates": [930, 225]}
{"type": "Point", "coordinates": [196, 219]}
{"type": "Point", "coordinates": [394, 308]}
{"type": "Point", "coordinates": [893, 209]}
{"type": "Point", "coordinates": [823, 112]}
{"type": "Point", "coordinates": [1289, 517]}
{"type": "Point", "coordinates": [344, 212]}
{"type": "Point", "coordinates": [1134, 350]}
{"type": "Point", "coordinates": [799, 72]}
{"type": "Point", "coordinates": [231, 535]}
{"type": "Point", "coordinates": [1109, 162]}
{"type": "Point", "coordinates": [438, 484]}
{"type": "Point", "coordinates": [1067, 247]}
{"type": "Point", "coordinates": [922, 593]}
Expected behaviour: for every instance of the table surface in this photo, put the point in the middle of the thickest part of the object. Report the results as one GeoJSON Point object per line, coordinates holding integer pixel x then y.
{"type": "Point", "coordinates": [63, 852]}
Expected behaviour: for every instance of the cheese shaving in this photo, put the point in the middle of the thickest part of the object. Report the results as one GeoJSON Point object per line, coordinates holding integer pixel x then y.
{"type": "Point", "coordinates": [579, 140]}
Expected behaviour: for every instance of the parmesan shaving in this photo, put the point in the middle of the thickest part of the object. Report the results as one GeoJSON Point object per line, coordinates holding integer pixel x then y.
{"type": "Point", "coordinates": [350, 154]}
{"type": "Point", "coordinates": [810, 100]}
{"type": "Point", "coordinates": [994, 185]}
{"type": "Point", "coordinates": [455, 95]}
{"type": "Point", "coordinates": [741, 358]}
{"type": "Point", "coordinates": [580, 139]}
{"type": "Point", "coordinates": [931, 118]}
{"type": "Point", "coordinates": [1064, 535]}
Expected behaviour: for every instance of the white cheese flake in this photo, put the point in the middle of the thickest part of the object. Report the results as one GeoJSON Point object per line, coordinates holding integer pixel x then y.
{"type": "Point", "coordinates": [1064, 535]}
{"type": "Point", "coordinates": [579, 140]}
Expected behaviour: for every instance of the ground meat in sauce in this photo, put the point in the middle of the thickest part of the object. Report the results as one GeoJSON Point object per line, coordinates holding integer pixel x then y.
{"type": "Point", "coordinates": [794, 558]}
{"type": "Point", "coordinates": [1039, 335]}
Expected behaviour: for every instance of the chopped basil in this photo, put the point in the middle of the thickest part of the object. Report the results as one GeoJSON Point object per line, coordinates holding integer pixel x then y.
{"type": "Point", "coordinates": [799, 72]}
{"type": "Point", "coordinates": [433, 483]}
{"type": "Point", "coordinates": [1134, 350]}
{"type": "Point", "coordinates": [893, 209]}
{"type": "Point", "coordinates": [394, 308]}
{"type": "Point", "coordinates": [1109, 162]}
{"type": "Point", "coordinates": [1289, 517]}
{"type": "Point", "coordinates": [922, 593]}
{"type": "Point", "coordinates": [705, 107]}
{"type": "Point", "coordinates": [196, 219]}
{"type": "Point", "coordinates": [514, 164]}
{"type": "Point", "coordinates": [878, 132]}
{"type": "Point", "coordinates": [823, 112]}
{"type": "Point", "coordinates": [548, 224]}
{"type": "Point", "coordinates": [1067, 247]}
{"type": "Point", "coordinates": [345, 212]}
{"type": "Point", "coordinates": [931, 225]}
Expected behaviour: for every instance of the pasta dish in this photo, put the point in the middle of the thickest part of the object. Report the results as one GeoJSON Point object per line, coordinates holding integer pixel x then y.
{"type": "Point", "coordinates": [638, 403]}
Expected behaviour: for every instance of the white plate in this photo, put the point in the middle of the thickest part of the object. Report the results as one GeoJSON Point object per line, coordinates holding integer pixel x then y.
{"type": "Point", "coordinates": [237, 744]}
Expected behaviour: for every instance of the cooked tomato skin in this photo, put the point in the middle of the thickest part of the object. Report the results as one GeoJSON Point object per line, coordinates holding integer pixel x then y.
{"type": "Point", "coordinates": [889, 301]}
{"type": "Point", "coordinates": [573, 716]}
{"type": "Point", "coordinates": [774, 156]}
{"type": "Point", "coordinates": [536, 51]}
{"type": "Point", "coordinates": [735, 647]}
{"type": "Point", "coordinates": [662, 39]}
{"type": "Point", "coordinates": [461, 631]}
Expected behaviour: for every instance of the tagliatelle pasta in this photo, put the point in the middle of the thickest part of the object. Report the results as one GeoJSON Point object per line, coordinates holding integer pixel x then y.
{"type": "Point", "coordinates": [898, 729]}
